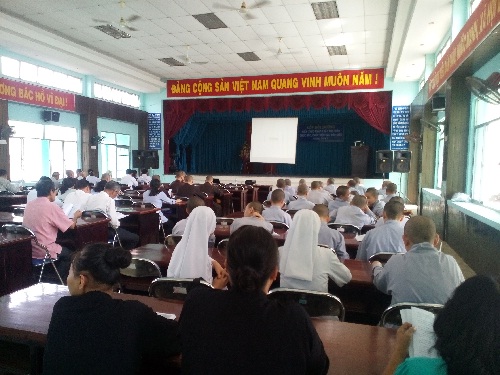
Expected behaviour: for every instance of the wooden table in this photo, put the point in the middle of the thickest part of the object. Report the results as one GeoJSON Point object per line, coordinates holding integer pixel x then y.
{"type": "Point", "coordinates": [88, 230]}
{"type": "Point", "coordinates": [226, 203]}
{"type": "Point", "coordinates": [7, 201]}
{"type": "Point", "coordinates": [352, 348]}
{"type": "Point", "coordinates": [223, 231]}
{"type": "Point", "coordinates": [15, 262]}
{"type": "Point", "coordinates": [351, 244]}
{"type": "Point", "coordinates": [142, 221]}
{"type": "Point", "coordinates": [10, 218]}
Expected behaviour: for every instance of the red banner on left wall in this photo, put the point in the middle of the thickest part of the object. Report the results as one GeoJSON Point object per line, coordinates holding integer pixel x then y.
{"type": "Point", "coordinates": [36, 95]}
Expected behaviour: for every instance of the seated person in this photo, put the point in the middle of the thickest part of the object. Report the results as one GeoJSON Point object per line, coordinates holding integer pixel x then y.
{"type": "Point", "coordinates": [178, 182]}
{"type": "Point", "coordinates": [391, 191]}
{"type": "Point", "coordinates": [93, 333]}
{"type": "Point", "coordinates": [32, 195]}
{"type": "Point", "coordinates": [144, 179]}
{"type": "Point", "coordinates": [105, 178]}
{"type": "Point", "coordinates": [376, 206]}
{"type": "Point", "coordinates": [302, 201]}
{"type": "Point", "coordinates": [105, 202]}
{"type": "Point", "coordinates": [82, 174]}
{"type": "Point", "coordinates": [188, 189]}
{"type": "Point", "coordinates": [77, 200]}
{"type": "Point", "coordinates": [382, 192]}
{"type": "Point", "coordinates": [330, 186]}
{"type": "Point", "coordinates": [92, 178]}
{"type": "Point", "coordinates": [157, 198]}
{"type": "Point", "coordinates": [45, 218]}
{"type": "Point", "coordinates": [275, 213]}
{"type": "Point", "coordinates": [381, 220]}
{"type": "Point", "coordinates": [212, 191]}
{"type": "Point", "coordinates": [359, 187]}
{"type": "Point", "coordinates": [70, 173]}
{"type": "Point", "coordinates": [129, 179]}
{"type": "Point", "coordinates": [280, 185]}
{"type": "Point", "coordinates": [55, 179]}
{"type": "Point", "coordinates": [467, 333]}
{"type": "Point", "coordinates": [67, 186]}
{"type": "Point", "coordinates": [423, 274]}
{"type": "Point", "coordinates": [192, 203]}
{"type": "Point", "coordinates": [357, 213]}
{"type": "Point", "coordinates": [252, 216]}
{"type": "Point", "coordinates": [255, 335]}
{"type": "Point", "coordinates": [317, 195]}
{"type": "Point", "coordinates": [387, 238]}
{"type": "Point", "coordinates": [343, 198]}
{"type": "Point", "coordinates": [351, 184]}
{"type": "Point", "coordinates": [190, 257]}
{"type": "Point", "coordinates": [327, 195]}
{"type": "Point", "coordinates": [305, 265]}
{"type": "Point", "coordinates": [302, 182]}
{"type": "Point", "coordinates": [288, 188]}
{"type": "Point", "coordinates": [329, 236]}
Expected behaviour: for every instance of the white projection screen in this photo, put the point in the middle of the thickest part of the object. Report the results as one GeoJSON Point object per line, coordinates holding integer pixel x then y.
{"type": "Point", "coordinates": [274, 140]}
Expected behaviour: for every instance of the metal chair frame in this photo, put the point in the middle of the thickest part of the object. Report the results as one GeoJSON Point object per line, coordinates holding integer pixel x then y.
{"type": "Point", "coordinates": [382, 257]}
{"type": "Point", "coordinates": [172, 240]}
{"type": "Point", "coordinates": [347, 228]}
{"type": "Point", "coordinates": [279, 225]}
{"type": "Point", "coordinates": [174, 288]}
{"type": "Point", "coordinates": [136, 268]}
{"type": "Point", "coordinates": [96, 214]}
{"type": "Point", "coordinates": [392, 310]}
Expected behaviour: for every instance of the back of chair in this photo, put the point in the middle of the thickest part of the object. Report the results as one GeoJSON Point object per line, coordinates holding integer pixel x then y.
{"type": "Point", "coordinates": [392, 315]}
{"type": "Point", "coordinates": [143, 205]}
{"type": "Point", "coordinates": [291, 212]}
{"type": "Point", "coordinates": [174, 288]}
{"type": "Point", "coordinates": [316, 304]}
{"type": "Point", "coordinates": [224, 220]}
{"type": "Point", "coordinates": [346, 228]}
{"type": "Point", "coordinates": [382, 257]}
{"type": "Point", "coordinates": [266, 203]}
{"type": "Point", "coordinates": [94, 214]}
{"type": "Point", "coordinates": [140, 267]}
{"type": "Point", "coordinates": [279, 225]}
{"type": "Point", "coordinates": [17, 229]}
{"type": "Point", "coordinates": [124, 202]}
{"type": "Point", "coordinates": [172, 240]}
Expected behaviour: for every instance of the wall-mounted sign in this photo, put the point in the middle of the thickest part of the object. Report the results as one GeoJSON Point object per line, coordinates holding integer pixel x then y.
{"type": "Point", "coordinates": [277, 84]}
{"type": "Point", "coordinates": [36, 95]}
{"type": "Point", "coordinates": [154, 131]}
{"type": "Point", "coordinates": [400, 127]}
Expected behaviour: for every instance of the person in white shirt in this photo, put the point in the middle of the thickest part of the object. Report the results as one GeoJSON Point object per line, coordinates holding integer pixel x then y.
{"type": "Point", "coordinates": [77, 199]}
{"type": "Point", "coordinates": [305, 265]}
{"type": "Point", "coordinates": [55, 179]}
{"type": "Point", "coordinates": [360, 188]}
{"type": "Point", "coordinates": [330, 186]}
{"type": "Point", "coordinates": [157, 198]}
{"type": "Point", "coordinates": [82, 175]}
{"type": "Point", "coordinates": [301, 201]}
{"type": "Point", "coordinates": [128, 179]}
{"type": "Point", "coordinates": [144, 179]}
{"type": "Point", "coordinates": [104, 201]}
{"type": "Point", "coordinates": [92, 178]}
{"type": "Point", "coordinates": [357, 213]}
{"type": "Point", "coordinates": [67, 186]}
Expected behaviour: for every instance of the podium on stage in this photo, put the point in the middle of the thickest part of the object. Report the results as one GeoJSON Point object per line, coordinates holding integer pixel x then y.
{"type": "Point", "coordinates": [359, 161]}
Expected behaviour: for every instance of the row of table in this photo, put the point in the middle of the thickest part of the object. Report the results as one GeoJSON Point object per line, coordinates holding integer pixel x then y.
{"type": "Point", "coordinates": [352, 348]}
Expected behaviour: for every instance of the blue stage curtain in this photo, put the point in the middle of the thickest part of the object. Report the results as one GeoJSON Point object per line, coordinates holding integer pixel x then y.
{"type": "Point", "coordinates": [189, 136]}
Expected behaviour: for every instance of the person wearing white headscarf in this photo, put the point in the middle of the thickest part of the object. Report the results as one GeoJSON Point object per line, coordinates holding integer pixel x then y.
{"type": "Point", "coordinates": [190, 258]}
{"type": "Point", "coordinates": [305, 265]}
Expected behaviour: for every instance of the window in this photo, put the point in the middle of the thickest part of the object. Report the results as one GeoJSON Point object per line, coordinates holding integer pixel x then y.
{"type": "Point", "coordinates": [440, 53]}
{"type": "Point", "coordinates": [473, 5]}
{"type": "Point", "coordinates": [37, 74]}
{"type": "Point", "coordinates": [33, 144]}
{"type": "Point", "coordinates": [116, 96]}
{"type": "Point", "coordinates": [486, 159]}
{"type": "Point", "coordinates": [115, 153]}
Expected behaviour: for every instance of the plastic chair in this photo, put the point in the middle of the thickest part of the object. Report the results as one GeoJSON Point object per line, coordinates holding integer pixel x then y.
{"type": "Point", "coordinates": [174, 288]}
{"type": "Point", "coordinates": [98, 214]}
{"type": "Point", "coordinates": [392, 315]}
{"type": "Point", "coordinates": [21, 229]}
{"type": "Point", "coordinates": [382, 257]}
{"type": "Point", "coordinates": [291, 212]}
{"type": "Point", "coordinates": [266, 203]}
{"type": "Point", "coordinates": [224, 220]}
{"type": "Point", "coordinates": [346, 228]}
{"type": "Point", "coordinates": [172, 240]}
{"type": "Point", "coordinates": [279, 225]}
{"type": "Point", "coordinates": [316, 304]}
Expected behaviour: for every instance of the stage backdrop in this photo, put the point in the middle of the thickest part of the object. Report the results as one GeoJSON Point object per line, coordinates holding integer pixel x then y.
{"type": "Point", "coordinates": [209, 133]}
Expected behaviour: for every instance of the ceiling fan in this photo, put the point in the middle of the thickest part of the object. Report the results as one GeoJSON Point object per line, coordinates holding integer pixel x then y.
{"type": "Point", "coordinates": [244, 9]}
{"type": "Point", "coordinates": [487, 90]}
{"type": "Point", "coordinates": [280, 51]}
{"type": "Point", "coordinates": [187, 60]}
{"type": "Point", "coordinates": [123, 22]}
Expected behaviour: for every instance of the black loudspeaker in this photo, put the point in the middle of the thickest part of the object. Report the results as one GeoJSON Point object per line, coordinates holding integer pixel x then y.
{"type": "Point", "coordinates": [250, 182]}
{"type": "Point", "coordinates": [402, 161]}
{"type": "Point", "coordinates": [384, 161]}
{"type": "Point", "coordinates": [50, 116]}
{"type": "Point", "coordinates": [145, 159]}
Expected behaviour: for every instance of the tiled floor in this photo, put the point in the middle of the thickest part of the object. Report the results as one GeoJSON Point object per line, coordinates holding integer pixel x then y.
{"type": "Point", "coordinates": [466, 270]}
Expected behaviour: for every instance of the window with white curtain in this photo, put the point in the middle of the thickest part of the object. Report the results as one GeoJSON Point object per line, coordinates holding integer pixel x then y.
{"type": "Point", "coordinates": [117, 96]}
{"type": "Point", "coordinates": [115, 153]}
{"type": "Point", "coordinates": [486, 158]}
{"type": "Point", "coordinates": [39, 150]}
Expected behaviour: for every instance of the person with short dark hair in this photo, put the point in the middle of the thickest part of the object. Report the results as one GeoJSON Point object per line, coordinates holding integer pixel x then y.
{"type": "Point", "coordinates": [358, 186]}
{"type": "Point", "coordinates": [423, 273]}
{"type": "Point", "coordinates": [45, 219]}
{"type": "Point", "coordinates": [212, 191]}
{"type": "Point", "coordinates": [55, 179]}
{"type": "Point", "coordinates": [105, 201]}
{"type": "Point", "coordinates": [302, 202]}
{"type": "Point", "coordinates": [317, 194]}
{"type": "Point", "coordinates": [357, 213]}
{"type": "Point", "coordinates": [92, 178]}
{"type": "Point", "coordinates": [192, 203]}
{"type": "Point", "coordinates": [144, 179]}
{"type": "Point", "coordinates": [251, 216]}
{"type": "Point", "coordinates": [67, 186]}
{"type": "Point", "coordinates": [376, 206]}
{"type": "Point", "coordinates": [70, 173]}
{"type": "Point", "coordinates": [381, 221]}
{"type": "Point", "coordinates": [129, 179]}
{"type": "Point", "coordinates": [91, 332]}
{"type": "Point", "coordinates": [5, 184]}
{"type": "Point", "coordinates": [289, 188]}
{"type": "Point", "coordinates": [387, 238]}
{"type": "Point", "coordinates": [156, 196]}
{"type": "Point", "coordinates": [467, 333]}
{"type": "Point", "coordinates": [178, 182]}
{"type": "Point", "coordinates": [330, 186]}
{"type": "Point", "coordinates": [188, 188]}
{"type": "Point", "coordinates": [343, 197]}
{"type": "Point", "coordinates": [329, 236]}
{"type": "Point", "coordinates": [255, 335]}
{"type": "Point", "coordinates": [77, 199]}
{"type": "Point", "coordinates": [391, 191]}
{"type": "Point", "coordinates": [281, 185]}
{"type": "Point", "coordinates": [275, 212]}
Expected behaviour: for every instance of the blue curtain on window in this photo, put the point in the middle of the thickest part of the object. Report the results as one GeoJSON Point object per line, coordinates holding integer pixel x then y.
{"type": "Point", "coordinates": [215, 141]}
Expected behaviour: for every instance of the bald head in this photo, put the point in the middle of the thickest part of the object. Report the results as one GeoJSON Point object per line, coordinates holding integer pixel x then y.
{"type": "Point", "coordinates": [359, 201]}
{"type": "Point", "coordinates": [419, 229]}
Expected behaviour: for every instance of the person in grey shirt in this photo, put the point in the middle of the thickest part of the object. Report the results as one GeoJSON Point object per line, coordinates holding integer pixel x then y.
{"type": "Point", "coordinates": [252, 216]}
{"type": "Point", "coordinates": [343, 196]}
{"type": "Point", "coordinates": [357, 213]}
{"type": "Point", "coordinates": [329, 236]}
{"type": "Point", "coordinates": [423, 274]}
{"type": "Point", "coordinates": [280, 185]}
{"type": "Point", "coordinates": [301, 201]}
{"type": "Point", "coordinates": [390, 191]}
{"type": "Point", "coordinates": [275, 213]}
{"type": "Point", "coordinates": [5, 184]}
{"type": "Point", "coordinates": [374, 204]}
{"type": "Point", "coordinates": [330, 186]}
{"type": "Point", "coordinates": [387, 238]}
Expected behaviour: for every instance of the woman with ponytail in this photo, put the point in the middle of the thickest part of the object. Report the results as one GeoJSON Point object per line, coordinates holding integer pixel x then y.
{"type": "Point", "coordinates": [92, 333]}
{"type": "Point", "coordinates": [240, 331]}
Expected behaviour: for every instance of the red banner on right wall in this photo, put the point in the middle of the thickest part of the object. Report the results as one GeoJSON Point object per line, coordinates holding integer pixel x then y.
{"type": "Point", "coordinates": [485, 18]}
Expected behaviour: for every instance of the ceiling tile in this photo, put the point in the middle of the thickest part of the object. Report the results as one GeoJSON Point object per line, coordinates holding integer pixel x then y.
{"type": "Point", "coordinates": [276, 14]}
{"type": "Point", "coordinates": [373, 8]}
{"type": "Point", "coordinates": [308, 27]}
{"type": "Point", "coordinates": [377, 22]}
{"type": "Point", "coordinates": [300, 12]}
{"type": "Point", "coordinates": [351, 8]}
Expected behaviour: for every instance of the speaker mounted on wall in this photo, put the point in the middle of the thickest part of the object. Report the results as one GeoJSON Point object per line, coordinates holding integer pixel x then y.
{"type": "Point", "coordinates": [384, 161]}
{"type": "Point", "coordinates": [50, 116]}
{"type": "Point", "coordinates": [402, 161]}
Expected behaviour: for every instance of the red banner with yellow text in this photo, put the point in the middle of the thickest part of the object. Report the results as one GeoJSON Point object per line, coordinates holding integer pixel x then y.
{"type": "Point", "coordinates": [277, 84]}
{"type": "Point", "coordinates": [36, 95]}
{"type": "Point", "coordinates": [484, 19]}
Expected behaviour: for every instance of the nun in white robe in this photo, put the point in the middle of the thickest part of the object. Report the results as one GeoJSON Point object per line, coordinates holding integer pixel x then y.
{"type": "Point", "coordinates": [190, 257]}
{"type": "Point", "coordinates": [305, 265]}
